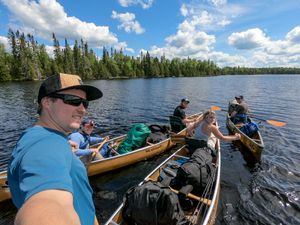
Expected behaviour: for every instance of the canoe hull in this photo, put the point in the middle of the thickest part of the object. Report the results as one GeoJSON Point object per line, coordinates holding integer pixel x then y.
{"type": "Point", "coordinates": [119, 161]}
{"type": "Point", "coordinates": [255, 144]}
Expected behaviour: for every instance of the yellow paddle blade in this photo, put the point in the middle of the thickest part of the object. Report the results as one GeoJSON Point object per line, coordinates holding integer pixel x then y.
{"type": "Point", "coordinates": [215, 108]}
{"type": "Point", "coordinates": [276, 123]}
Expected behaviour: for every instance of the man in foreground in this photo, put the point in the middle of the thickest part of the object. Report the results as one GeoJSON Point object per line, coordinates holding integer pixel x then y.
{"type": "Point", "coordinates": [48, 183]}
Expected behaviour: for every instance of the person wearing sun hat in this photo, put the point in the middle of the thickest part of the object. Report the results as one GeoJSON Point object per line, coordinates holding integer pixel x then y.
{"type": "Point", "coordinates": [47, 181]}
{"type": "Point", "coordinates": [239, 115]}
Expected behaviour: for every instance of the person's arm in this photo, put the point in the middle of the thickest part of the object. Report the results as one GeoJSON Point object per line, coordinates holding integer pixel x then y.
{"type": "Point", "coordinates": [96, 221]}
{"type": "Point", "coordinates": [48, 207]}
{"type": "Point", "coordinates": [192, 126]}
{"type": "Point", "coordinates": [95, 140]}
{"type": "Point", "coordinates": [222, 137]}
{"type": "Point", "coordinates": [233, 114]}
{"type": "Point", "coordinates": [80, 152]}
{"type": "Point", "coordinates": [74, 145]}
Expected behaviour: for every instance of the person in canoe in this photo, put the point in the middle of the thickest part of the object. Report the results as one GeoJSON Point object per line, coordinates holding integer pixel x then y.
{"type": "Point", "coordinates": [205, 126]}
{"type": "Point", "coordinates": [48, 183]}
{"type": "Point", "coordinates": [180, 111]}
{"type": "Point", "coordinates": [84, 141]}
{"type": "Point", "coordinates": [239, 115]}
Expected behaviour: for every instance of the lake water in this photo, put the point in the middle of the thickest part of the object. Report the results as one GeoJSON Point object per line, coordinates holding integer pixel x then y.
{"type": "Point", "coordinates": [251, 193]}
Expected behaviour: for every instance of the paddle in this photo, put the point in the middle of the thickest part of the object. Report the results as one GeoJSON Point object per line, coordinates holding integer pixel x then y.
{"type": "Point", "coordinates": [105, 139]}
{"type": "Point", "coordinates": [272, 122]}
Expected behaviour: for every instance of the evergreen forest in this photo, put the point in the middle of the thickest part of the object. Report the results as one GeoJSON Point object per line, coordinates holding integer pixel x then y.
{"type": "Point", "coordinates": [28, 60]}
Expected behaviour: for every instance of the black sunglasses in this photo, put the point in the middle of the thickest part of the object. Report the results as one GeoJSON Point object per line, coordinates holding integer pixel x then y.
{"type": "Point", "coordinates": [71, 99]}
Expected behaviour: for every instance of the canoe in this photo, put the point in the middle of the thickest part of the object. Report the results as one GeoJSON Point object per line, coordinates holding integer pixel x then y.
{"type": "Point", "coordinates": [254, 144]}
{"type": "Point", "coordinates": [112, 163]}
{"type": "Point", "coordinates": [204, 211]}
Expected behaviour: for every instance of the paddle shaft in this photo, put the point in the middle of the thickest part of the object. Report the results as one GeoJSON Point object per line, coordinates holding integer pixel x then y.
{"type": "Point", "coordinates": [272, 122]}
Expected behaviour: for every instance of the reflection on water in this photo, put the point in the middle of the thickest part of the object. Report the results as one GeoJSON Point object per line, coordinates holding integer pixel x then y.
{"type": "Point", "coordinates": [265, 193]}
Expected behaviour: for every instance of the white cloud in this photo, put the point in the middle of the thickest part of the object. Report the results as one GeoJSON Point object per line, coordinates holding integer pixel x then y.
{"type": "Point", "coordinates": [263, 51]}
{"type": "Point", "coordinates": [185, 43]}
{"type": "Point", "coordinates": [212, 15]}
{"type": "Point", "coordinates": [252, 38]}
{"type": "Point", "coordinates": [4, 41]}
{"type": "Point", "coordinates": [144, 3]}
{"type": "Point", "coordinates": [47, 16]}
{"type": "Point", "coordinates": [294, 35]}
{"type": "Point", "coordinates": [217, 2]}
{"type": "Point", "coordinates": [184, 10]}
{"type": "Point", "coordinates": [123, 46]}
{"type": "Point", "coordinates": [128, 22]}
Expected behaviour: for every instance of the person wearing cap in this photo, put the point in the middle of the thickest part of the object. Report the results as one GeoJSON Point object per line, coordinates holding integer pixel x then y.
{"type": "Point", "coordinates": [239, 115]}
{"type": "Point", "coordinates": [84, 140]}
{"type": "Point", "coordinates": [48, 183]}
{"type": "Point", "coordinates": [179, 111]}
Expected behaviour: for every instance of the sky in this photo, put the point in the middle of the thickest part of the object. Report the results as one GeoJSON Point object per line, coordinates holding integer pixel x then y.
{"type": "Point", "coordinates": [249, 33]}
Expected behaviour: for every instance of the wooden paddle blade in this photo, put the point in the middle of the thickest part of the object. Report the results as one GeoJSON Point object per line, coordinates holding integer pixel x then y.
{"type": "Point", "coordinates": [215, 108]}
{"type": "Point", "coordinates": [276, 123]}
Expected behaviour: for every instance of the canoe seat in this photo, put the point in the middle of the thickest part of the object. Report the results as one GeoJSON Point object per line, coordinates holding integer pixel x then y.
{"type": "Point", "coordinates": [176, 124]}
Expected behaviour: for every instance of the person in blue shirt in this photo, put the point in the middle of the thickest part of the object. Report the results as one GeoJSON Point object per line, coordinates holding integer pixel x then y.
{"type": "Point", "coordinates": [48, 183]}
{"type": "Point", "coordinates": [84, 141]}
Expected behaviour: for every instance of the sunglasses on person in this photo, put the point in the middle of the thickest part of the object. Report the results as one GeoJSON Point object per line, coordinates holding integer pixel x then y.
{"type": "Point", "coordinates": [71, 99]}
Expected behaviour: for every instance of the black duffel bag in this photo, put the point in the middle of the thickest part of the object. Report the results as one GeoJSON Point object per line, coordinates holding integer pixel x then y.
{"type": "Point", "coordinates": [196, 171]}
{"type": "Point", "coordinates": [152, 204]}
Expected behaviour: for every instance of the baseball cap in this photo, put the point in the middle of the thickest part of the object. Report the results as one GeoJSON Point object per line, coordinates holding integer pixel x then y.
{"type": "Point", "coordinates": [62, 81]}
{"type": "Point", "coordinates": [185, 100]}
{"type": "Point", "coordinates": [239, 97]}
{"type": "Point", "coordinates": [88, 123]}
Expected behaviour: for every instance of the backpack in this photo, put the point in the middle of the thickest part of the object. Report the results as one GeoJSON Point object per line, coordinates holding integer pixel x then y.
{"type": "Point", "coordinates": [136, 138]}
{"type": "Point", "coordinates": [152, 204]}
{"type": "Point", "coordinates": [196, 171]}
{"type": "Point", "coordinates": [249, 129]}
{"type": "Point", "coordinates": [158, 133]}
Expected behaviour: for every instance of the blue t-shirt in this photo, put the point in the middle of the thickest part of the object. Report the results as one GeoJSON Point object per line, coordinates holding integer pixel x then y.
{"type": "Point", "coordinates": [43, 160]}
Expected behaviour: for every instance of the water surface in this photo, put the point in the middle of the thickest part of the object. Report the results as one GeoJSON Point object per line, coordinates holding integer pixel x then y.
{"type": "Point", "coordinates": [251, 193]}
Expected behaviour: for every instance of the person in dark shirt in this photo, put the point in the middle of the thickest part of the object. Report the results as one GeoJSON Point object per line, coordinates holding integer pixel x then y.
{"type": "Point", "coordinates": [239, 115]}
{"type": "Point", "coordinates": [179, 111]}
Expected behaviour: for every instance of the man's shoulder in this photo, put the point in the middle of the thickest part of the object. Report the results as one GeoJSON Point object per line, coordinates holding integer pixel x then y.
{"type": "Point", "coordinates": [39, 137]}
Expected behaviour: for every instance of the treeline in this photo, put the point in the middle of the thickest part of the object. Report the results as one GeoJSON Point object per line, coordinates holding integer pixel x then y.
{"type": "Point", "coordinates": [253, 71]}
{"type": "Point", "coordinates": [28, 60]}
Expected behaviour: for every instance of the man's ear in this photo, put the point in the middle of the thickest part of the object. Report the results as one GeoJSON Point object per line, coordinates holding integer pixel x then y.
{"type": "Point", "coordinates": [46, 102]}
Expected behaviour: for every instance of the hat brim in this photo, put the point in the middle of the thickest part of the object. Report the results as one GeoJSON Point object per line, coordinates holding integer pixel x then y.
{"type": "Point", "coordinates": [92, 93]}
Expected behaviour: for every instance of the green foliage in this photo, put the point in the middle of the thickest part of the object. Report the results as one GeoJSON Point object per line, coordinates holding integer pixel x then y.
{"type": "Point", "coordinates": [28, 60]}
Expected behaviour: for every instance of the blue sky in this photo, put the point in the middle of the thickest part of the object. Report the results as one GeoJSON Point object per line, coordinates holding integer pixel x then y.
{"type": "Point", "coordinates": [253, 33]}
